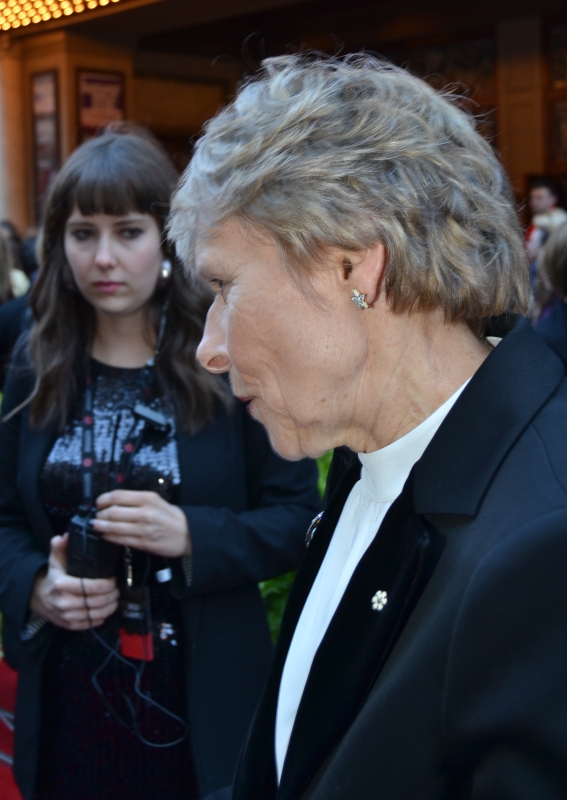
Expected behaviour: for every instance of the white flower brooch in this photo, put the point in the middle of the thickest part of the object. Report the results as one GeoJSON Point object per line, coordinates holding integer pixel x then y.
{"type": "Point", "coordinates": [379, 600]}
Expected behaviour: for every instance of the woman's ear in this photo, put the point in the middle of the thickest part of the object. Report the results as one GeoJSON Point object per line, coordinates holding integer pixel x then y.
{"type": "Point", "coordinates": [364, 272]}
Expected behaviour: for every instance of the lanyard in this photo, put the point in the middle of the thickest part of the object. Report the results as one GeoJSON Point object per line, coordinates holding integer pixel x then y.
{"type": "Point", "coordinates": [132, 442]}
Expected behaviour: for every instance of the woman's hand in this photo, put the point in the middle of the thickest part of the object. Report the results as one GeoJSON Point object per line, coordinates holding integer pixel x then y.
{"type": "Point", "coordinates": [143, 521]}
{"type": "Point", "coordinates": [72, 603]}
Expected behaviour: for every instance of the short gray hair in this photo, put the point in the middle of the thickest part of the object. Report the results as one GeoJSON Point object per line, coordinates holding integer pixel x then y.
{"type": "Point", "coordinates": [322, 152]}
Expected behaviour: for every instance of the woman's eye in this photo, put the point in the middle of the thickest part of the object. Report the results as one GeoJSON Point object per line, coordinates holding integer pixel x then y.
{"type": "Point", "coordinates": [131, 233]}
{"type": "Point", "coordinates": [220, 287]}
{"type": "Point", "coordinates": [81, 234]}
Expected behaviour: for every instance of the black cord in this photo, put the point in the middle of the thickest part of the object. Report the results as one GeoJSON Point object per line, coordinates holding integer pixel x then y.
{"type": "Point", "coordinates": [113, 652]}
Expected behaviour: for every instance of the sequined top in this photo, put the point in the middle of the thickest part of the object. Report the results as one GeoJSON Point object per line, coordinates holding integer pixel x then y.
{"type": "Point", "coordinates": [155, 466]}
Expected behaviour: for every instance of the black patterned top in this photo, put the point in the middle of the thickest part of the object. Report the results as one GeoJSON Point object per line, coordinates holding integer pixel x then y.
{"type": "Point", "coordinates": [155, 466]}
{"type": "Point", "coordinates": [76, 720]}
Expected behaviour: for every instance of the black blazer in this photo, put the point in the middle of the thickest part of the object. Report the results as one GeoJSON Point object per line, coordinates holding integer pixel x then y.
{"type": "Point", "coordinates": [247, 511]}
{"type": "Point", "coordinates": [458, 687]}
{"type": "Point", "coordinates": [553, 329]}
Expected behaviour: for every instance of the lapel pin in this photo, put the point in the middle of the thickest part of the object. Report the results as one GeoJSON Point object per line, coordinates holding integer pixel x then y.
{"type": "Point", "coordinates": [379, 600]}
{"type": "Point", "coordinates": [312, 528]}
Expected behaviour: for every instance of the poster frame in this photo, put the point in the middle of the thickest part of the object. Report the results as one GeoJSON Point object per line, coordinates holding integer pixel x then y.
{"type": "Point", "coordinates": [38, 194]}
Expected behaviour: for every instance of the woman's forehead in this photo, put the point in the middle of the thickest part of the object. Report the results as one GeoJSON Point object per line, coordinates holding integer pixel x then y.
{"type": "Point", "coordinates": [229, 247]}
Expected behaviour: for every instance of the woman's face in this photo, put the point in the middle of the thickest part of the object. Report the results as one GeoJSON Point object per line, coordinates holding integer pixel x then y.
{"type": "Point", "coordinates": [294, 353]}
{"type": "Point", "coordinates": [115, 260]}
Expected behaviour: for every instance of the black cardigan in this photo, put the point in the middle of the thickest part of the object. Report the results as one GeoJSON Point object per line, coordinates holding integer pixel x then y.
{"type": "Point", "coordinates": [247, 511]}
{"type": "Point", "coordinates": [457, 688]}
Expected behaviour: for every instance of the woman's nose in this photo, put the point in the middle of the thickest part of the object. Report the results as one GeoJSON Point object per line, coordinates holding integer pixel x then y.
{"type": "Point", "coordinates": [104, 256]}
{"type": "Point", "coordinates": [212, 352]}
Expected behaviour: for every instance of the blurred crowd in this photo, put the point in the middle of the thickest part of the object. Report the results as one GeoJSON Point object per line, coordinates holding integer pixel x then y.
{"type": "Point", "coordinates": [18, 269]}
{"type": "Point", "coordinates": [546, 247]}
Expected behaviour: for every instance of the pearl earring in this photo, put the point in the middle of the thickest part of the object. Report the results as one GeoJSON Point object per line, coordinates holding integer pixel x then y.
{"type": "Point", "coordinates": [165, 273]}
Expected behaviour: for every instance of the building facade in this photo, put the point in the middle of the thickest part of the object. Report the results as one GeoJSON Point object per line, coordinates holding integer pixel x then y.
{"type": "Point", "coordinates": [69, 67]}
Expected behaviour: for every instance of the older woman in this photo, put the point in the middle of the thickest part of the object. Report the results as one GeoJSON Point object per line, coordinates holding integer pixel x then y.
{"type": "Point", "coordinates": [358, 233]}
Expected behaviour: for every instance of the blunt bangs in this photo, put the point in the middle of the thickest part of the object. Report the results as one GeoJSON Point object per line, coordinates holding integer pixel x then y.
{"type": "Point", "coordinates": [116, 174]}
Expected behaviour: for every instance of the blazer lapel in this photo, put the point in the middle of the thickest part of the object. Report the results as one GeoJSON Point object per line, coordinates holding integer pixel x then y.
{"type": "Point", "coordinates": [312, 561]}
{"type": "Point", "coordinates": [501, 400]}
{"type": "Point", "coordinates": [256, 773]}
{"type": "Point", "coordinates": [381, 595]}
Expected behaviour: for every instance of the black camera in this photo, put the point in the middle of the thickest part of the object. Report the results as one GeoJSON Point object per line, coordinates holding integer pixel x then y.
{"type": "Point", "coordinates": [88, 554]}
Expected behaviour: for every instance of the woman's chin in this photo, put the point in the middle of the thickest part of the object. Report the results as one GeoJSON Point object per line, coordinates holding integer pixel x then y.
{"type": "Point", "coordinates": [288, 440]}
{"type": "Point", "coordinates": [283, 442]}
{"type": "Point", "coordinates": [285, 448]}
{"type": "Point", "coordinates": [291, 446]}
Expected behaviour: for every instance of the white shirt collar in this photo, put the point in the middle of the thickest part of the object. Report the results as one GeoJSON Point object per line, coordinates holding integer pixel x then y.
{"type": "Point", "coordinates": [385, 471]}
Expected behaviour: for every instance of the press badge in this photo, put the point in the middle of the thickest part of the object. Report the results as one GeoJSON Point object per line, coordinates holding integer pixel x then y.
{"type": "Point", "coordinates": [136, 640]}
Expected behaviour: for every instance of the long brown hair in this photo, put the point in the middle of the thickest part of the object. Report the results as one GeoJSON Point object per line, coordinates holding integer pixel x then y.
{"type": "Point", "coordinates": [114, 173]}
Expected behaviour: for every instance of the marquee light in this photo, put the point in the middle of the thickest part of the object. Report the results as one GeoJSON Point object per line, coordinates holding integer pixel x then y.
{"type": "Point", "coordinates": [18, 13]}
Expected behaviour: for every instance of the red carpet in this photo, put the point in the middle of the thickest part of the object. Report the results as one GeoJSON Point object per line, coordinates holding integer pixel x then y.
{"type": "Point", "coordinates": [8, 680]}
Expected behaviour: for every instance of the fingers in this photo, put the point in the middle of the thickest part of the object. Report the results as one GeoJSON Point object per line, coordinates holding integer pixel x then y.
{"type": "Point", "coordinates": [127, 497]}
{"type": "Point", "coordinates": [65, 603]}
{"type": "Point", "coordinates": [109, 528]}
{"type": "Point", "coordinates": [58, 553]}
{"type": "Point", "coordinates": [87, 617]}
{"type": "Point", "coordinates": [83, 614]}
{"type": "Point", "coordinates": [129, 526]}
{"type": "Point", "coordinates": [66, 584]}
{"type": "Point", "coordinates": [77, 613]}
{"type": "Point", "coordinates": [134, 541]}
{"type": "Point", "coordinates": [116, 513]}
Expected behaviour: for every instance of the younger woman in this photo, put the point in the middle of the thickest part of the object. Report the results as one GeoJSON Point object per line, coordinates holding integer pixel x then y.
{"type": "Point", "coordinates": [112, 427]}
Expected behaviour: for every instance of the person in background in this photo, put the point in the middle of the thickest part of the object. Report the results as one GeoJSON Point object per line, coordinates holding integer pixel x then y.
{"type": "Point", "coordinates": [11, 232]}
{"type": "Point", "coordinates": [28, 255]}
{"type": "Point", "coordinates": [13, 281]}
{"type": "Point", "coordinates": [553, 271]}
{"type": "Point", "coordinates": [14, 309]}
{"type": "Point", "coordinates": [111, 426]}
{"type": "Point", "coordinates": [546, 216]}
{"type": "Point", "coordinates": [15, 318]}
{"type": "Point", "coordinates": [358, 233]}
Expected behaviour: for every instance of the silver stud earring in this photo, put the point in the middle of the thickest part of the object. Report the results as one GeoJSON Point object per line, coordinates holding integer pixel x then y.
{"type": "Point", "coordinates": [359, 300]}
{"type": "Point", "coordinates": [165, 273]}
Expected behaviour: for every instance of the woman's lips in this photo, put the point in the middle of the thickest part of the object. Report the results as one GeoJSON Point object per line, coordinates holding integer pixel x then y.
{"type": "Point", "coordinates": [108, 287]}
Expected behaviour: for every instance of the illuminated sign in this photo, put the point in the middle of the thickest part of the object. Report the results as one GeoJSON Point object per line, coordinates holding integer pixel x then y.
{"type": "Point", "coordinates": [17, 13]}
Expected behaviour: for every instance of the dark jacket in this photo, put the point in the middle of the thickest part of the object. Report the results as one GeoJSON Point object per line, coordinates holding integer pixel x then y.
{"type": "Point", "coordinates": [457, 688]}
{"type": "Point", "coordinates": [15, 317]}
{"type": "Point", "coordinates": [247, 511]}
{"type": "Point", "coordinates": [553, 329]}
